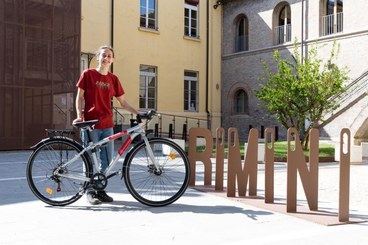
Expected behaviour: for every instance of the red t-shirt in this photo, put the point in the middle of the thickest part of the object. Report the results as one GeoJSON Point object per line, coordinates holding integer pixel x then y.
{"type": "Point", "coordinates": [98, 92]}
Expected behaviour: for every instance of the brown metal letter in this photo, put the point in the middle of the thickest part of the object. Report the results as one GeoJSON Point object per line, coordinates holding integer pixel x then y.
{"type": "Point", "coordinates": [204, 156]}
{"type": "Point", "coordinates": [236, 171]}
{"type": "Point", "coordinates": [251, 162]}
{"type": "Point", "coordinates": [296, 162]}
{"type": "Point", "coordinates": [269, 164]}
{"type": "Point", "coordinates": [344, 192]}
{"type": "Point", "coordinates": [220, 152]}
{"type": "Point", "coordinates": [234, 160]}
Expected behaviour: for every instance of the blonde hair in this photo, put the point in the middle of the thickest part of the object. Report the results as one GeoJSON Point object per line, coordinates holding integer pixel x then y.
{"type": "Point", "coordinates": [103, 48]}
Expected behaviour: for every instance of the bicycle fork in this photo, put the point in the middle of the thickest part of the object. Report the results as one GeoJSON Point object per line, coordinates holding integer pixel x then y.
{"type": "Point", "coordinates": [151, 156]}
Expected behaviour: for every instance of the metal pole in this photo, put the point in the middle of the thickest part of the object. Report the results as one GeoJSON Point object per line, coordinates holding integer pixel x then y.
{"type": "Point", "coordinates": [302, 36]}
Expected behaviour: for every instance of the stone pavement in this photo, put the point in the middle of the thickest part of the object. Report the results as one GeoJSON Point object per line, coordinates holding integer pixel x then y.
{"type": "Point", "coordinates": [197, 217]}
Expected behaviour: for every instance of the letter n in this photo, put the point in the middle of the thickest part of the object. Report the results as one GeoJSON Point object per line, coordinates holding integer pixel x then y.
{"type": "Point", "coordinates": [296, 162]}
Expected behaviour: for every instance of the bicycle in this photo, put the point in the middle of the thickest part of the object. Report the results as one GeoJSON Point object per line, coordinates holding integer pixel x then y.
{"type": "Point", "coordinates": [156, 170]}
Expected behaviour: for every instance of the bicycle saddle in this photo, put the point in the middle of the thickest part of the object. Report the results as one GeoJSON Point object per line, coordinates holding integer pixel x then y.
{"type": "Point", "coordinates": [85, 123]}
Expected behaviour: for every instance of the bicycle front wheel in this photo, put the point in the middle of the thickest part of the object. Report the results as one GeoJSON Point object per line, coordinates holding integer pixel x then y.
{"type": "Point", "coordinates": [157, 187]}
{"type": "Point", "coordinates": [47, 174]}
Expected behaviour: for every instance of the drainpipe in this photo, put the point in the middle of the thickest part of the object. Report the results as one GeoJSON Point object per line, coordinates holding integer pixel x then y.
{"type": "Point", "coordinates": [112, 31]}
{"type": "Point", "coordinates": [302, 41]}
{"type": "Point", "coordinates": [112, 42]}
{"type": "Point", "coordinates": [207, 63]}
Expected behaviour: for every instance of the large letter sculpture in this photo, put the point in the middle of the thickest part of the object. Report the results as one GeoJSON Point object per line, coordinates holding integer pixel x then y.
{"type": "Point", "coordinates": [204, 156]}
{"type": "Point", "coordinates": [235, 169]}
{"type": "Point", "coordinates": [269, 164]}
{"type": "Point", "coordinates": [344, 175]}
{"type": "Point", "coordinates": [220, 152]}
{"type": "Point", "coordinates": [296, 162]}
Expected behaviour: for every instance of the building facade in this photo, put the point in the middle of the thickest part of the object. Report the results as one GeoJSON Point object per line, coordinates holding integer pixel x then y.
{"type": "Point", "coordinates": [39, 64]}
{"type": "Point", "coordinates": [167, 56]}
{"type": "Point", "coordinates": [252, 30]}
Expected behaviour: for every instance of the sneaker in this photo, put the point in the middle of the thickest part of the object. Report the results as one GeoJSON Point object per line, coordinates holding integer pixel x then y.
{"type": "Point", "coordinates": [103, 197]}
{"type": "Point", "coordinates": [92, 198]}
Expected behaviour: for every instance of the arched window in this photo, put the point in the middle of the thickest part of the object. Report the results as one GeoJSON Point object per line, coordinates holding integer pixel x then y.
{"type": "Point", "coordinates": [282, 31]}
{"type": "Point", "coordinates": [242, 35]}
{"type": "Point", "coordinates": [332, 17]}
{"type": "Point", "coordinates": [241, 102]}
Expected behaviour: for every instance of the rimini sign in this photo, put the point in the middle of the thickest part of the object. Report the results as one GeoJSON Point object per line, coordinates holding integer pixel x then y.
{"type": "Point", "coordinates": [244, 176]}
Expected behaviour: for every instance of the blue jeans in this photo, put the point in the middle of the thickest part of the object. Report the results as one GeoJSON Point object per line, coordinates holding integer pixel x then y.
{"type": "Point", "coordinates": [106, 151]}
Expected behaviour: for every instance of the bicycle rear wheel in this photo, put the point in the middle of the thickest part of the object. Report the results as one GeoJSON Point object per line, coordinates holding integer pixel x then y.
{"type": "Point", "coordinates": [157, 187]}
{"type": "Point", "coordinates": [44, 171]}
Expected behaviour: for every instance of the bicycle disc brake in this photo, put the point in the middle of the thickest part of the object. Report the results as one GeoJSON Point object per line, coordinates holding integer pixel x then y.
{"type": "Point", "coordinates": [99, 181]}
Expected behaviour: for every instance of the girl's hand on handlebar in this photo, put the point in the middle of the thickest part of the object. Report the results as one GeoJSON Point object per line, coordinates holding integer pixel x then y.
{"type": "Point", "coordinates": [79, 119]}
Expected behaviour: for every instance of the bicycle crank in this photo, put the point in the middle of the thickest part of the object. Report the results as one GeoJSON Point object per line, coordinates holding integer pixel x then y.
{"type": "Point", "coordinates": [99, 181]}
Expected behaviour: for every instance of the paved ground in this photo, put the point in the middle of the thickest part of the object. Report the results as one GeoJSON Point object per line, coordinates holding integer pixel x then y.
{"type": "Point", "coordinates": [197, 217]}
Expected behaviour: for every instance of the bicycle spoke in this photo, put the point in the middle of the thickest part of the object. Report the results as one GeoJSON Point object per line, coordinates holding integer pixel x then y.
{"type": "Point", "coordinates": [45, 166]}
{"type": "Point", "coordinates": [162, 186]}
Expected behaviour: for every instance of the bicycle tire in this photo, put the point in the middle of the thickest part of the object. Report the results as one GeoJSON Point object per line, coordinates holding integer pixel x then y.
{"type": "Point", "coordinates": [45, 184]}
{"type": "Point", "coordinates": [154, 189]}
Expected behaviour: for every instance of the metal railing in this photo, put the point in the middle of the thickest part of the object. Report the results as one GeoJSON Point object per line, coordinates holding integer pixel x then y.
{"type": "Point", "coordinates": [118, 116]}
{"type": "Point", "coordinates": [356, 90]}
{"type": "Point", "coordinates": [282, 34]}
{"type": "Point", "coordinates": [165, 125]}
{"type": "Point", "coordinates": [174, 126]}
{"type": "Point", "coordinates": [332, 24]}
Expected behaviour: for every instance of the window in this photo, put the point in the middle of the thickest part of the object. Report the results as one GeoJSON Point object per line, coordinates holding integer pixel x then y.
{"type": "Point", "coordinates": [190, 91]}
{"type": "Point", "coordinates": [84, 63]}
{"type": "Point", "coordinates": [282, 31]}
{"type": "Point", "coordinates": [241, 102]}
{"type": "Point", "coordinates": [332, 20]}
{"type": "Point", "coordinates": [191, 19]}
{"type": "Point", "coordinates": [148, 87]}
{"type": "Point", "coordinates": [148, 14]}
{"type": "Point", "coordinates": [241, 38]}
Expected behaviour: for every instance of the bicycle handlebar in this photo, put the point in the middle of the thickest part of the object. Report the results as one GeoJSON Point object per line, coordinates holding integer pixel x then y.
{"type": "Point", "coordinates": [147, 115]}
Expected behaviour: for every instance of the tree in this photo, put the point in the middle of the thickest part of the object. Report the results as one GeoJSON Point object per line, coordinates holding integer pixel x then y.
{"type": "Point", "coordinates": [301, 90]}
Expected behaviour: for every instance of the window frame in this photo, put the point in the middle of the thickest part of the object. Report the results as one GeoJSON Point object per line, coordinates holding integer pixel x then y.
{"type": "Point", "coordinates": [188, 90]}
{"type": "Point", "coordinates": [146, 16]}
{"type": "Point", "coordinates": [147, 77]}
{"type": "Point", "coordinates": [245, 102]}
{"type": "Point", "coordinates": [188, 29]}
{"type": "Point", "coordinates": [83, 63]}
{"type": "Point", "coordinates": [282, 28]}
{"type": "Point", "coordinates": [242, 43]}
{"type": "Point", "coordinates": [331, 14]}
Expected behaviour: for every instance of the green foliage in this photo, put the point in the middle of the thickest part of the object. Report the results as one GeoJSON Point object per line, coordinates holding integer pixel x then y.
{"type": "Point", "coordinates": [300, 90]}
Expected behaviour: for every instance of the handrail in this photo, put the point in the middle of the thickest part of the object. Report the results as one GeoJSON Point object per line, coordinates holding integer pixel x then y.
{"type": "Point", "coordinates": [172, 132]}
{"type": "Point", "coordinates": [117, 112]}
{"type": "Point", "coordinates": [353, 92]}
{"type": "Point", "coordinates": [351, 89]}
{"type": "Point", "coordinates": [167, 124]}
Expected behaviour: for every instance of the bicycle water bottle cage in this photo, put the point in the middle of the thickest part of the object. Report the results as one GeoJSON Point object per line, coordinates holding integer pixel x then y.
{"type": "Point", "coordinates": [85, 124]}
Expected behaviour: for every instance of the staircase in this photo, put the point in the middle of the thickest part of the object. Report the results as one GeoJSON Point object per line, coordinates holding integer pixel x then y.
{"type": "Point", "coordinates": [351, 113]}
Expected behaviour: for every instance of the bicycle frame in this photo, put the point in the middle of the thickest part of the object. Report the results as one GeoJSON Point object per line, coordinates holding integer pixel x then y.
{"type": "Point", "coordinates": [156, 171]}
{"type": "Point", "coordinates": [133, 132]}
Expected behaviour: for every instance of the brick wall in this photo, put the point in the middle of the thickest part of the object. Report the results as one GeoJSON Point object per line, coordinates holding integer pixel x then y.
{"type": "Point", "coordinates": [243, 69]}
